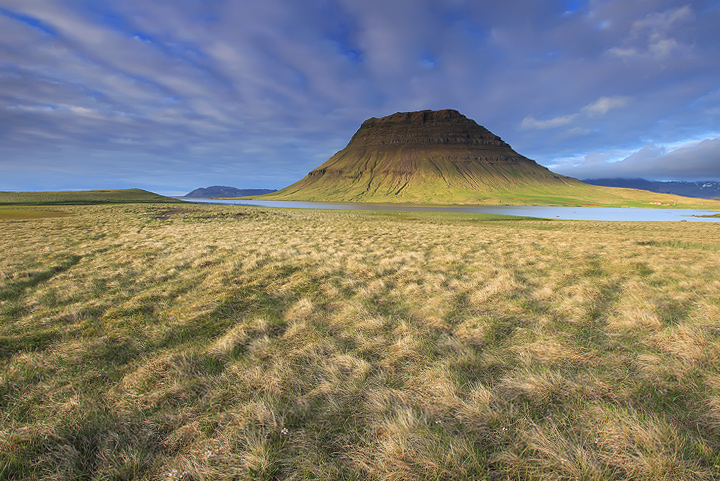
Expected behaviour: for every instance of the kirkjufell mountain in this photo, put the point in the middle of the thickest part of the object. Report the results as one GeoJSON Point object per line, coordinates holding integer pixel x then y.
{"type": "Point", "coordinates": [442, 157]}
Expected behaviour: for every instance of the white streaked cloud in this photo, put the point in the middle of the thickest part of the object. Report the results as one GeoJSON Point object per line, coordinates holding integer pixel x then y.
{"type": "Point", "coordinates": [598, 108]}
{"type": "Point", "coordinates": [264, 88]}
{"type": "Point", "coordinates": [605, 104]}
{"type": "Point", "coordinates": [530, 122]}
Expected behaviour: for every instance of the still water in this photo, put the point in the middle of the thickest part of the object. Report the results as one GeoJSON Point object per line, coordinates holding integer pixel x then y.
{"type": "Point", "coordinates": [569, 213]}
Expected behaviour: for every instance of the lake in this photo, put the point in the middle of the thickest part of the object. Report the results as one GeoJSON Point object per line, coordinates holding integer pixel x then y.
{"type": "Point", "coordinates": [568, 213]}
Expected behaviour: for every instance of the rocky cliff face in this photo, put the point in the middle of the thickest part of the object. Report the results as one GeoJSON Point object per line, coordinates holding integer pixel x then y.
{"type": "Point", "coordinates": [422, 129]}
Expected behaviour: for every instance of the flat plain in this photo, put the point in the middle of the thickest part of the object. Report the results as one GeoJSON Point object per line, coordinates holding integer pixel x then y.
{"type": "Point", "coordinates": [164, 341]}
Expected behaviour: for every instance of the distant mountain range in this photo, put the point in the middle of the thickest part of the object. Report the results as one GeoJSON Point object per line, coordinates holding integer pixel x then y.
{"type": "Point", "coordinates": [224, 191]}
{"type": "Point", "coordinates": [700, 189]}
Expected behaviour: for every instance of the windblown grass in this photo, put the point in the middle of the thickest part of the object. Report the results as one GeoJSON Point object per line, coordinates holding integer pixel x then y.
{"type": "Point", "coordinates": [223, 342]}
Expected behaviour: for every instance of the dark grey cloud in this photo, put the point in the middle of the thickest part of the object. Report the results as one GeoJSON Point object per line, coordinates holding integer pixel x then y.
{"type": "Point", "coordinates": [700, 161]}
{"type": "Point", "coordinates": [177, 94]}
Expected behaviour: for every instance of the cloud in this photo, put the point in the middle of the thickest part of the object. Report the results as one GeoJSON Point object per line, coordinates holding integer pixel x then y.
{"type": "Point", "coordinates": [700, 161]}
{"type": "Point", "coordinates": [530, 122]}
{"type": "Point", "coordinates": [595, 109]}
{"type": "Point", "coordinates": [267, 89]}
{"type": "Point", "coordinates": [663, 21]}
{"type": "Point", "coordinates": [653, 35]}
{"type": "Point", "coordinates": [605, 104]}
{"type": "Point", "coordinates": [624, 53]}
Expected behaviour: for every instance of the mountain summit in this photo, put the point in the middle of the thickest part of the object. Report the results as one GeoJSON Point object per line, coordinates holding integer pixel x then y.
{"type": "Point", "coordinates": [439, 157]}
{"type": "Point", "coordinates": [427, 156]}
{"type": "Point", "coordinates": [421, 129]}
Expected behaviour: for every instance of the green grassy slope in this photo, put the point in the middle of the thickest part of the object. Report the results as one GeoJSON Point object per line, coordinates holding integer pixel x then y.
{"type": "Point", "coordinates": [434, 177]}
{"type": "Point", "coordinates": [120, 196]}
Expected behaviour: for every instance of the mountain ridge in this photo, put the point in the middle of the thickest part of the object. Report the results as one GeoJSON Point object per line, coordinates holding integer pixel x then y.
{"type": "Point", "coordinates": [225, 191]}
{"type": "Point", "coordinates": [700, 189]}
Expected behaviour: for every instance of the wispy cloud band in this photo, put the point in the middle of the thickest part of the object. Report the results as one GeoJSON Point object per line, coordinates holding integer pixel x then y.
{"type": "Point", "coordinates": [257, 93]}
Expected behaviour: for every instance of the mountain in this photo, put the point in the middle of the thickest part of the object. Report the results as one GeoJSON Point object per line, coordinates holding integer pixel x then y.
{"type": "Point", "coordinates": [442, 157]}
{"type": "Point", "coordinates": [700, 189]}
{"type": "Point", "coordinates": [224, 191]}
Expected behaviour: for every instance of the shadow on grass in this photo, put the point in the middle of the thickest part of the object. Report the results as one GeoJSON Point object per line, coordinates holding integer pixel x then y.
{"type": "Point", "coordinates": [85, 446]}
{"type": "Point", "coordinates": [16, 290]}
{"type": "Point", "coordinates": [10, 345]}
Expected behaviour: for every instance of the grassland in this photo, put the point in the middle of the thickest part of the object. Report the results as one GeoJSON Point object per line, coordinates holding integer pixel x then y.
{"type": "Point", "coordinates": [83, 197]}
{"type": "Point", "coordinates": [224, 342]}
{"type": "Point", "coordinates": [19, 214]}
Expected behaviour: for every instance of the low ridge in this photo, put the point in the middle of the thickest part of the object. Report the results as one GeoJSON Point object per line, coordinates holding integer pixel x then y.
{"type": "Point", "coordinates": [224, 191]}
{"type": "Point", "coordinates": [84, 197]}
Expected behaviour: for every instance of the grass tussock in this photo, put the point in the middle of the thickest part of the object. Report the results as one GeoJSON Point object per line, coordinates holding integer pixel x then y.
{"type": "Point", "coordinates": [223, 342]}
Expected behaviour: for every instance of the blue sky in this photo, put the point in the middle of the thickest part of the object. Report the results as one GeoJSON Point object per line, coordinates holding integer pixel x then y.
{"type": "Point", "coordinates": [170, 95]}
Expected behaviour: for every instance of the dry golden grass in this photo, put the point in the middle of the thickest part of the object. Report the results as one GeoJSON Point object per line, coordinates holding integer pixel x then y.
{"type": "Point", "coordinates": [221, 342]}
{"type": "Point", "coordinates": [15, 214]}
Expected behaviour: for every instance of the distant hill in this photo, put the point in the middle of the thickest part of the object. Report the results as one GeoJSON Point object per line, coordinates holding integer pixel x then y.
{"type": "Point", "coordinates": [442, 157]}
{"type": "Point", "coordinates": [224, 191]}
{"type": "Point", "coordinates": [121, 196]}
{"type": "Point", "coordinates": [700, 189]}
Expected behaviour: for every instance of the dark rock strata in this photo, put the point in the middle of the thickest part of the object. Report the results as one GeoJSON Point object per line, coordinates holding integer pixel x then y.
{"type": "Point", "coordinates": [442, 127]}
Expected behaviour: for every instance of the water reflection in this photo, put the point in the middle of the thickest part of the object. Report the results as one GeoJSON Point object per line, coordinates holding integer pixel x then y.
{"type": "Point", "coordinates": [568, 213]}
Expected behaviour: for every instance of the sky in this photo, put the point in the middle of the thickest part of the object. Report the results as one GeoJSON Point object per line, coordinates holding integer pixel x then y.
{"type": "Point", "coordinates": [171, 95]}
